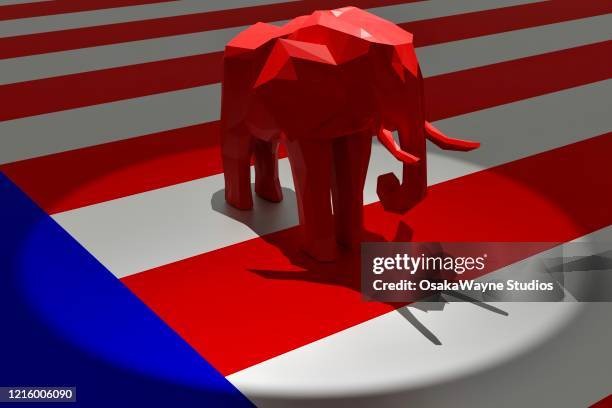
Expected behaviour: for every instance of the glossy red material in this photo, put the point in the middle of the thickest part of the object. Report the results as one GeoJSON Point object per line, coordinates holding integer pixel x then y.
{"type": "Point", "coordinates": [323, 84]}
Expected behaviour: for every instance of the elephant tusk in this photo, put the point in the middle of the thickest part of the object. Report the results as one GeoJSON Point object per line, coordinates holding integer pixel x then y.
{"type": "Point", "coordinates": [386, 138]}
{"type": "Point", "coordinates": [448, 143]}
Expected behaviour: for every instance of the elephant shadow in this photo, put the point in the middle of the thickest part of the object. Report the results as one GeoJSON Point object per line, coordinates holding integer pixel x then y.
{"type": "Point", "coordinates": [266, 218]}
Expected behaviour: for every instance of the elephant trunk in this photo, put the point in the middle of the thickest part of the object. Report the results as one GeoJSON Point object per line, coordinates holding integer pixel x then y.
{"type": "Point", "coordinates": [400, 197]}
{"type": "Point", "coordinates": [396, 196]}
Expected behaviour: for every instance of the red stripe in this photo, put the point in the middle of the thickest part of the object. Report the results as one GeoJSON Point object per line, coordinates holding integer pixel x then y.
{"type": "Point", "coordinates": [604, 403]}
{"type": "Point", "coordinates": [95, 174]}
{"type": "Point", "coordinates": [47, 8]}
{"type": "Point", "coordinates": [73, 179]}
{"type": "Point", "coordinates": [108, 85]}
{"type": "Point", "coordinates": [39, 43]}
{"type": "Point", "coordinates": [249, 302]}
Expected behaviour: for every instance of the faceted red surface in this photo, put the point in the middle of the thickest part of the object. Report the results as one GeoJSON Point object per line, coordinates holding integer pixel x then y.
{"type": "Point", "coordinates": [323, 84]}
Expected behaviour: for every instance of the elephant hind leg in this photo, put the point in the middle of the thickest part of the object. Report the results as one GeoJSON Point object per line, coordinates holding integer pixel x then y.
{"type": "Point", "coordinates": [267, 184]}
{"type": "Point", "coordinates": [236, 151]}
{"type": "Point", "coordinates": [311, 167]}
{"type": "Point", "coordinates": [351, 159]}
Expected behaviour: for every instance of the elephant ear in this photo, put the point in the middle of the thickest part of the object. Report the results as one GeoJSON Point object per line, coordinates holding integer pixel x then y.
{"type": "Point", "coordinates": [279, 64]}
{"type": "Point", "coordinates": [405, 59]}
{"type": "Point", "coordinates": [307, 51]}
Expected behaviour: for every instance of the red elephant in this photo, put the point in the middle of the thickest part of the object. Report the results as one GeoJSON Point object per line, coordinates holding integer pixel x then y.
{"type": "Point", "coordinates": [323, 84]}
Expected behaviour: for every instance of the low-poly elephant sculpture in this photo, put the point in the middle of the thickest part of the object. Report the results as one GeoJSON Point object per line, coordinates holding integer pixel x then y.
{"type": "Point", "coordinates": [323, 85]}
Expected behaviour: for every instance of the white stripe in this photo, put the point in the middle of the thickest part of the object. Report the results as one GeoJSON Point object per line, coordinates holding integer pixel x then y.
{"type": "Point", "coordinates": [423, 10]}
{"type": "Point", "coordinates": [71, 129]}
{"type": "Point", "coordinates": [117, 15]}
{"type": "Point", "coordinates": [537, 355]}
{"type": "Point", "coordinates": [146, 230]}
{"type": "Point", "coordinates": [137, 52]}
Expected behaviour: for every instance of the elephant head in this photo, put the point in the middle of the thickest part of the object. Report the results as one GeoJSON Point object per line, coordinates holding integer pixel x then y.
{"type": "Point", "coordinates": [399, 87]}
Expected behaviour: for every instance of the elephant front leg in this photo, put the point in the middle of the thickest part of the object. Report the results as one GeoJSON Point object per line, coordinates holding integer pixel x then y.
{"type": "Point", "coordinates": [351, 159]}
{"type": "Point", "coordinates": [236, 151]}
{"type": "Point", "coordinates": [311, 165]}
{"type": "Point", "coordinates": [267, 184]}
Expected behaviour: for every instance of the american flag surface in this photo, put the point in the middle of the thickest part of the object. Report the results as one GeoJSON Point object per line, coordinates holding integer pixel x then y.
{"type": "Point", "coordinates": [109, 123]}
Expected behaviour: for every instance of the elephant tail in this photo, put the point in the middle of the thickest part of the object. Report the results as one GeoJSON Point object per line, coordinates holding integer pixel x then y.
{"type": "Point", "coordinates": [386, 138]}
